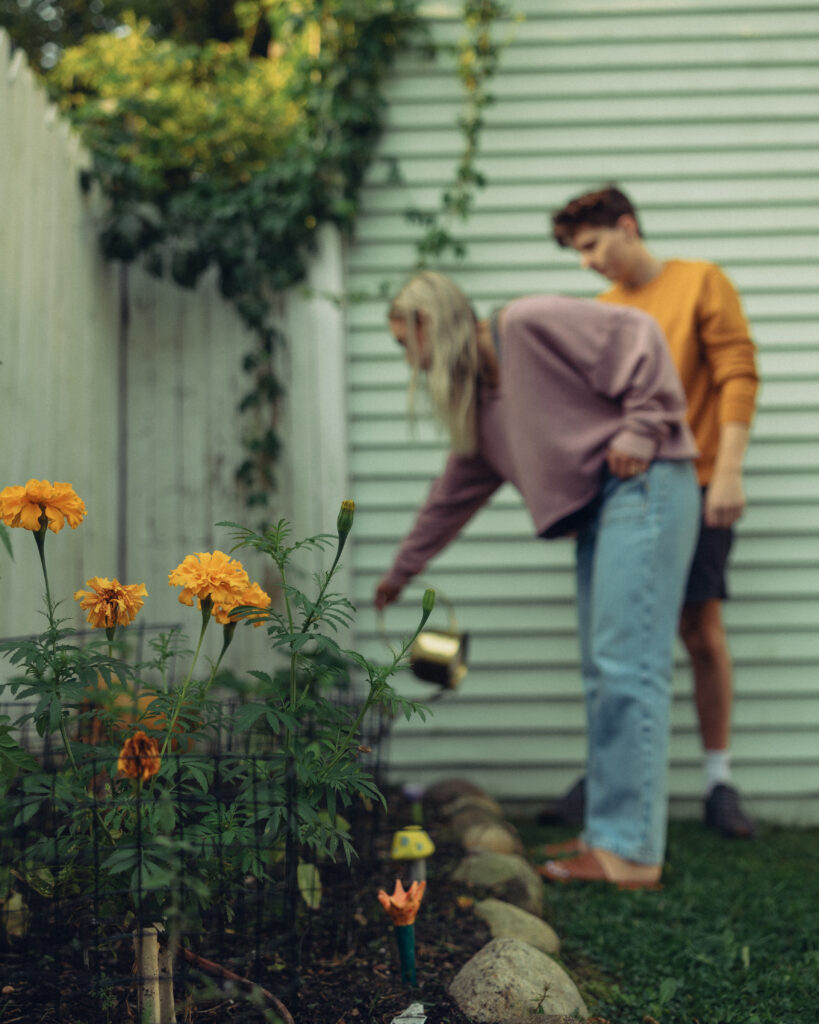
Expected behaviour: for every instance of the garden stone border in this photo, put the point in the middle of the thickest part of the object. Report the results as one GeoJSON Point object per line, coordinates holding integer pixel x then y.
{"type": "Point", "coordinates": [512, 906]}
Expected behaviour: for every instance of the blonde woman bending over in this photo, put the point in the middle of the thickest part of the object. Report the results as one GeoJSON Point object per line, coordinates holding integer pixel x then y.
{"type": "Point", "coordinates": [579, 406]}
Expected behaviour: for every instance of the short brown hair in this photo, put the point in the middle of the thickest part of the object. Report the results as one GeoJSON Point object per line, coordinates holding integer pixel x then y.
{"type": "Point", "coordinates": [601, 208]}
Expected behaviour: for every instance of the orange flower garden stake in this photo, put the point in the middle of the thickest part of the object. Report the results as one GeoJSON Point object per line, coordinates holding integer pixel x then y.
{"type": "Point", "coordinates": [402, 908]}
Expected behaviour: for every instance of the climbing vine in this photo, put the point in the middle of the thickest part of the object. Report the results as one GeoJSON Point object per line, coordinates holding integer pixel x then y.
{"type": "Point", "coordinates": [476, 60]}
{"type": "Point", "coordinates": [231, 152]}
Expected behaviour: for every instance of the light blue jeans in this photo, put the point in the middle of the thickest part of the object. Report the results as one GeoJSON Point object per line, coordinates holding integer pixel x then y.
{"type": "Point", "coordinates": [632, 565]}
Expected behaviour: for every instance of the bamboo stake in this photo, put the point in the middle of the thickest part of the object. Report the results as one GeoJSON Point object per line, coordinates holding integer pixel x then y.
{"type": "Point", "coordinates": [146, 949]}
{"type": "Point", "coordinates": [167, 1011]}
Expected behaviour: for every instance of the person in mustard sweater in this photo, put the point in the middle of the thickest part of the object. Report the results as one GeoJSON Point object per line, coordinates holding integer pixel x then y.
{"type": "Point", "coordinates": [701, 315]}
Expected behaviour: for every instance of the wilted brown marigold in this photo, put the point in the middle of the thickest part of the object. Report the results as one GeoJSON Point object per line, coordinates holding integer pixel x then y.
{"type": "Point", "coordinates": [211, 575]}
{"type": "Point", "coordinates": [24, 506]}
{"type": "Point", "coordinates": [139, 757]}
{"type": "Point", "coordinates": [110, 603]}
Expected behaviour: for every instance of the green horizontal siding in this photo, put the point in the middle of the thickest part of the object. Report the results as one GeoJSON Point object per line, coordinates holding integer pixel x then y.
{"type": "Point", "coordinates": [707, 114]}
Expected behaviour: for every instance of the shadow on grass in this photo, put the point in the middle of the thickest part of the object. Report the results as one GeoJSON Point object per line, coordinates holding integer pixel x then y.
{"type": "Point", "coordinates": [732, 938]}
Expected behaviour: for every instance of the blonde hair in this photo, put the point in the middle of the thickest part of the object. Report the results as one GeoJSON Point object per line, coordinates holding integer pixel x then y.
{"type": "Point", "coordinates": [451, 331]}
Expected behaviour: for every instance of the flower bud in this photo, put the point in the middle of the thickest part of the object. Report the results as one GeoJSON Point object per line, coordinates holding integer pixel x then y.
{"type": "Point", "coordinates": [345, 518]}
{"type": "Point", "coordinates": [428, 601]}
{"type": "Point", "coordinates": [227, 635]}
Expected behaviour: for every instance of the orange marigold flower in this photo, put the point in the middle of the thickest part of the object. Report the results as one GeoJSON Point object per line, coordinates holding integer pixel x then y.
{"type": "Point", "coordinates": [253, 597]}
{"type": "Point", "coordinates": [403, 906]}
{"type": "Point", "coordinates": [23, 506]}
{"type": "Point", "coordinates": [139, 757]}
{"type": "Point", "coordinates": [210, 575]}
{"type": "Point", "coordinates": [110, 603]}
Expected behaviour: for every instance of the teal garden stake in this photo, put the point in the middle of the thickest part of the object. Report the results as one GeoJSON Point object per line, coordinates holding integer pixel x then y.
{"type": "Point", "coordinates": [402, 908]}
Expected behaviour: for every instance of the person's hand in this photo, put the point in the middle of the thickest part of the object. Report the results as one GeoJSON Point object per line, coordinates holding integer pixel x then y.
{"type": "Point", "coordinates": [724, 499]}
{"type": "Point", "coordinates": [385, 593]}
{"type": "Point", "coordinates": [625, 466]}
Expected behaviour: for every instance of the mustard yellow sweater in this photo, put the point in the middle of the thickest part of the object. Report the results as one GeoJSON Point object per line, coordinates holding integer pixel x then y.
{"type": "Point", "coordinates": [700, 313]}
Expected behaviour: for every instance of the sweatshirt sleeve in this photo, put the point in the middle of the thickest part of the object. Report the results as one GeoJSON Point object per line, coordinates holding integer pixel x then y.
{"type": "Point", "coordinates": [728, 348]}
{"type": "Point", "coordinates": [466, 484]}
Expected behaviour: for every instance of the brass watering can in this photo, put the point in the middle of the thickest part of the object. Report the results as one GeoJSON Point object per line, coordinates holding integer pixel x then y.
{"type": "Point", "coordinates": [439, 655]}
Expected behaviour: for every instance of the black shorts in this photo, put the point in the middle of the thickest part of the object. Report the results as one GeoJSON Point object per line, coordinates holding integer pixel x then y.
{"type": "Point", "coordinates": [706, 579]}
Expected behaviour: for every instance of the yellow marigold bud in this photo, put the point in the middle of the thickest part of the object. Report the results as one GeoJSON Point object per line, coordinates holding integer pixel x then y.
{"type": "Point", "coordinates": [428, 601]}
{"type": "Point", "coordinates": [345, 518]}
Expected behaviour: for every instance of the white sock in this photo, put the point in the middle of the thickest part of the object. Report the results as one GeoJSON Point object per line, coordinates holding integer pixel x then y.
{"type": "Point", "coordinates": [717, 769]}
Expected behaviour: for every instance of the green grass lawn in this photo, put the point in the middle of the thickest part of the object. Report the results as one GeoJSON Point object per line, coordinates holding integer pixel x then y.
{"type": "Point", "coordinates": [732, 938]}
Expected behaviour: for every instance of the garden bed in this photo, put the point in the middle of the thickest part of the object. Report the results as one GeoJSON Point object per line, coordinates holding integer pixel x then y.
{"type": "Point", "coordinates": [340, 965]}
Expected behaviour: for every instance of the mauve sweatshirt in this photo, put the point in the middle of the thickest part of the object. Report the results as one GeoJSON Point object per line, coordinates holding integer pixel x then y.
{"type": "Point", "coordinates": [576, 377]}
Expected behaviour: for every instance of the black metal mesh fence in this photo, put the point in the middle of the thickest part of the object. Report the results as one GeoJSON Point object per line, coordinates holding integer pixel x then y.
{"type": "Point", "coordinates": [102, 886]}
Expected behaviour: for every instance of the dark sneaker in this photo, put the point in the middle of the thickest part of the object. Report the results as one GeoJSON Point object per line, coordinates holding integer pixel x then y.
{"type": "Point", "coordinates": [567, 810]}
{"type": "Point", "coordinates": [724, 815]}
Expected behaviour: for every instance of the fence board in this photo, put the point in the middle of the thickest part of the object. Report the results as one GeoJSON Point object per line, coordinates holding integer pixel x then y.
{"type": "Point", "coordinates": [65, 398]}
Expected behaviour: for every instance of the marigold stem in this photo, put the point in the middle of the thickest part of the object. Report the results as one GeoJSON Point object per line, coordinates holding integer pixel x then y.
{"type": "Point", "coordinates": [39, 539]}
{"type": "Point", "coordinates": [373, 696]}
{"type": "Point", "coordinates": [207, 607]}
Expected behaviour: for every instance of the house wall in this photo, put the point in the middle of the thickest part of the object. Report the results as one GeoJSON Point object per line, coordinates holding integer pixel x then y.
{"type": "Point", "coordinates": [705, 112]}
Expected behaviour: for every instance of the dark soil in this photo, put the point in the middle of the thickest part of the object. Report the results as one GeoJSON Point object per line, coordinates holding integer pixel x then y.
{"type": "Point", "coordinates": [365, 985]}
{"type": "Point", "coordinates": [345, 955]}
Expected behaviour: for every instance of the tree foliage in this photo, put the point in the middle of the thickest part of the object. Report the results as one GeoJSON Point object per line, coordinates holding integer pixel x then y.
{"type": "Point", "coordinates": [214, 155]}
{"type": "Point", "coordinates": [226, 132]}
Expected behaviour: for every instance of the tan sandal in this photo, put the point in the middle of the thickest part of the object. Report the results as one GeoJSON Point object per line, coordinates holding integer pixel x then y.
{"type": "Point", "coordinates": [568, 848]}
{"type": "Point", "coordinates": [587, 867]}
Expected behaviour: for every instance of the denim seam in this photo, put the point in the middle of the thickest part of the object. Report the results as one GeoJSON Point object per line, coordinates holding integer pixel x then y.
{"type": "Point", "coordinates": [641, 851]}
{"type": "Point", "coordinates": [651, 856]}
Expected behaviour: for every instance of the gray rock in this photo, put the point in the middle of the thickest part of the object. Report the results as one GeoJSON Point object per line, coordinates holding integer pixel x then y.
{"type": "Point", "coordinates": [506, 921]}
{"type": "Point", "coordinates": [469, 801]}
{"type": "Point", "coordinates": [509, 979]}
{"type": "Point", "coordinates": [448, 789]}
{"type": "Point", "coordinates": [508, 876]}
{"type": "Point", "coordinates": [466, 818]}
{"type": "Point", "coordinates": [498, 837]}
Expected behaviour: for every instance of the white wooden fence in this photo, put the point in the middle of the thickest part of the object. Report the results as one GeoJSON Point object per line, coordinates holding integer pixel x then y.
{"type": "Point", "coordinates": [127, 387]}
